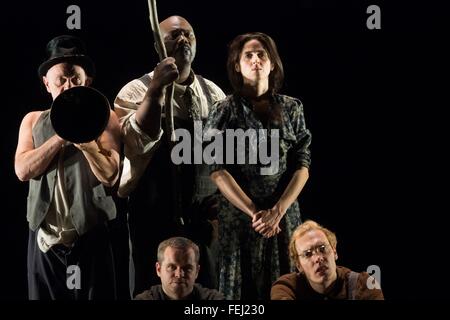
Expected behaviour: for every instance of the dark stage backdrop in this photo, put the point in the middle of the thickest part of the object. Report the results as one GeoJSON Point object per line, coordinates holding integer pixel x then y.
{"type": "Point", "coordinates": [373, 102]}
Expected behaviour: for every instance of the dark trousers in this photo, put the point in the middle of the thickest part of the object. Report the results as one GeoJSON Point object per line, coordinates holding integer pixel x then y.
{"type": "Point", "coordinates": [118, 228]}
{"type": "Point", "coordinates": [91, 253]}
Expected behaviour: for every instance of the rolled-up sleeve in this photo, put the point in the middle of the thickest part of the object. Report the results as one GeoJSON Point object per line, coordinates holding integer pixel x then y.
{"type": "Point", "coordinates": [139, 147]}
{"type": "Point", "coordinates": [301, 149]}
{"type": "Point", "coordinates": [137, 142]}
{"type": "Point", "coordinates": [216, 123]}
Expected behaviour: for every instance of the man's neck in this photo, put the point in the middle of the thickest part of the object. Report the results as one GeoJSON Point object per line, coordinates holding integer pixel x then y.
{"type": "Point", "coordinates": [173, 297]}
{"type": "Point", "coordinates": [325, 285]}
{"type": "Point", "coordinates": [185, 77]}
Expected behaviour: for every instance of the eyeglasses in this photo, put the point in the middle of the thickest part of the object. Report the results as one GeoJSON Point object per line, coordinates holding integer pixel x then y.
{"type": "Point", "coordinates": [322, 249]}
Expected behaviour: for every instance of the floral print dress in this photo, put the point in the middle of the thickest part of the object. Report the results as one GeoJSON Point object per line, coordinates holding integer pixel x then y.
{"type": "Point", "coordinates": [249, 263]}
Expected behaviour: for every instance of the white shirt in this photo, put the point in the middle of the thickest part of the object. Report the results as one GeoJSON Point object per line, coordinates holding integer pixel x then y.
{"type": "Point", "coordinates": [139, 147]}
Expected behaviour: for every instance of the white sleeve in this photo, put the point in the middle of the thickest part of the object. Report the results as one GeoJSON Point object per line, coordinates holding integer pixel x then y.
{"type": "Point", "coordinates": [139, 149]}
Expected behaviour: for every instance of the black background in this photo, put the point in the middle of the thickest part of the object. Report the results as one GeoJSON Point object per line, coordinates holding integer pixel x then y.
{"type": "Point", "coordinates": [374, 102]}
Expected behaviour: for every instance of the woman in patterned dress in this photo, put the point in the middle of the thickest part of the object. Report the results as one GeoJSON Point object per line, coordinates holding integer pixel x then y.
{"type": "Point", "coordinates": [258, 208]}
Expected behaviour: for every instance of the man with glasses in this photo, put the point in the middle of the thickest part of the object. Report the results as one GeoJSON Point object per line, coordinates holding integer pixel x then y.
{"type": "Point", "coordinates": [313, 250]}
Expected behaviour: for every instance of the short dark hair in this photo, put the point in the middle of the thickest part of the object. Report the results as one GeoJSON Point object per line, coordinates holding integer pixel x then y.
{"type": "Point", "coordinates": [276, 76]}
{"type": "Point", "coordinates": [178, 243]}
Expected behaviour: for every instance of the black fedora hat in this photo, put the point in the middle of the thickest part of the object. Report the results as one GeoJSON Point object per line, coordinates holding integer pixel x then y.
{"type": "Point", "coordinates": [66, 48]}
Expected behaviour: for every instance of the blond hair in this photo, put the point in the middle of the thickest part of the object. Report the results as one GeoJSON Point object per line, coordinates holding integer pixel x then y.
{"type": "Point", "coordinates": [305, 227]}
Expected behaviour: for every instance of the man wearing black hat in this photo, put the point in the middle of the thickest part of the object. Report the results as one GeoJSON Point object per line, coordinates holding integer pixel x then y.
{"type": "Point", "coordinates": [69, 252]}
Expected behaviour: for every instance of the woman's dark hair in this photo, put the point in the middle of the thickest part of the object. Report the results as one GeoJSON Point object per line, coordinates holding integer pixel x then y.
{"type": "Point", "coordinates": [276, 76]}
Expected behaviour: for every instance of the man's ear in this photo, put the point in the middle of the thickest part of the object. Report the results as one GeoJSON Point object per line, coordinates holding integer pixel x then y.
{"type": "Point", "coordinates": [158, 269]}
{"type": "Point", "coordinates": [89, 81]}
{"type": "Point", "coordinates": [45, 81]}
{"type": "Point", "coordinates": [198, 270]}
{"type": "Point", "coordinates": [335, 254]}
{"type": "Point", "coordinates": [299, 267]}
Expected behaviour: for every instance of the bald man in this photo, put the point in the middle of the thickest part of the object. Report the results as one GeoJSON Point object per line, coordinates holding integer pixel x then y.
{"type": "Point", "coordinates": [147, 175]}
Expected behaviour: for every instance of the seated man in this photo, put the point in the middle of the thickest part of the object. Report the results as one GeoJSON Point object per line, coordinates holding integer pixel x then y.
{"type": "Point", "coordinates": [178, 267]}
{"type": "Point", "coordinates": [313, 250]}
